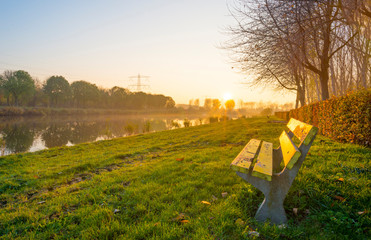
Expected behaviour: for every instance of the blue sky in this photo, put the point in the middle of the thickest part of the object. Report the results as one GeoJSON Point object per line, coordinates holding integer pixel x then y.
{"type": "Point", "coordinates": [105, 42]}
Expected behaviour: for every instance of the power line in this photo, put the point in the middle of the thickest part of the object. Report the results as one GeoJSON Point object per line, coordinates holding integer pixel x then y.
{"type": "Point", "coordinates": [139, 86]}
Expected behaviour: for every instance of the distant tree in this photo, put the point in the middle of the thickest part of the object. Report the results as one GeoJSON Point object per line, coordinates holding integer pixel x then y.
{"type": "Point", "coordinates": [191, 102]}
{"type": "Point", "coordinates": [18, 84]}
{"type": "Point", "coordinates": [216, 104]}
{"type": "Point", "coordinates": [196, 102]}
{"type": "Point", "coordinates": [170, 103]}
{"type": "Point", "coordinates": [85, 94]}
{"type": "Point", "coordinates": [39, 98]}
{"type": "Point", "coordinates": [138, 100]}
{"type": "Point", "coordinates": [119, 96]}
{"type": "Point", "coordinates": [230, 104]}
{"type": "Point", "coordinates": [250, 105]}
{"type": "Point", "coordinates": [104, 97]}
{"type": "Point", "coordinates": [2, 91]}
{"type": "Point", "coordinates": [58, 89]}
{"type": "Point", "coordinates": [208, 103]}
{"type": "Point", "coordinates": [266, 111]}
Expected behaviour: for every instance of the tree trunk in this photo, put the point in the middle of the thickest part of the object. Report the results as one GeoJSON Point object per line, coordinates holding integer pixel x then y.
{"type": "Point", "coordinates": [15, 100]}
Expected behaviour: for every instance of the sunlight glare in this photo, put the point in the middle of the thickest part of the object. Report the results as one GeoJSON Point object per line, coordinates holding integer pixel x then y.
{"type": "Point", "coordinates": [227, 96]}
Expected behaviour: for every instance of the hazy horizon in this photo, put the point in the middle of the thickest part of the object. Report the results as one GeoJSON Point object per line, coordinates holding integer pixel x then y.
{"type": "Point", "coordinates": [175, 43]}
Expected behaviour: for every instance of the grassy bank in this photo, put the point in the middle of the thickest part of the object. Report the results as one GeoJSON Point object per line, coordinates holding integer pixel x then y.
{"type": "Point", "coordinates": [169, 185]}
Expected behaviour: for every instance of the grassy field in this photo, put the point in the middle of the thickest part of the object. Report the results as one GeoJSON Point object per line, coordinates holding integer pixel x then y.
{"type": "Point", "coordinates": [178, 185]}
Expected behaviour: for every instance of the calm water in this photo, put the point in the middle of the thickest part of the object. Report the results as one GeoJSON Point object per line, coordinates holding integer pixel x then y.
{"type": "Point", "coordinates": [37, 133]}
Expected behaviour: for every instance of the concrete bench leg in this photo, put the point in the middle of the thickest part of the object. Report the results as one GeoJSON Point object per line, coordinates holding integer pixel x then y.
{"type": "Point", "coordinates": [275, 192]}
{"type": "Point", "coordinates": [272, 208]}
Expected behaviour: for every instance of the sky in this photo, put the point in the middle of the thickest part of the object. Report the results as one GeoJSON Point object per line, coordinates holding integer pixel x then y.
{"type": "Point", "coordinates": [176, 43]}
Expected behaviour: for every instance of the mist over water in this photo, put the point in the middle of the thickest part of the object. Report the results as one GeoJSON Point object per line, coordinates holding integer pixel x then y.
{"type": "Point", "coordinates": [37, 133]}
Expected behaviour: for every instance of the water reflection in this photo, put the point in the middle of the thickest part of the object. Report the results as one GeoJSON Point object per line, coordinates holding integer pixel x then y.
{"type": "Point", "coordinates": [17, 137]}
{"type": "Point", "coordinates": [32, 134]}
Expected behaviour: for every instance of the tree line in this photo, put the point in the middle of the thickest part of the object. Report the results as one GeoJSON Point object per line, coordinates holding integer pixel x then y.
{"type": "Point", "coordinates": [317, 48]}
{"type": "Point", "coordinates": [18, 88]}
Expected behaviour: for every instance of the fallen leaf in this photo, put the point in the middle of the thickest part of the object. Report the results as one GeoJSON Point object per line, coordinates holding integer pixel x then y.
{"type": "Point", "coordinates": [240, 222]}
{"type": "Point", "coordinates": [295, 210]}
{"type": "Point", "coordinates": [36, 176]}
{"type": "Point", "coordinates": [307, 211]}
{"type": "Point", "coordinates": [180, 217]}
{"type": "Point", "coordinates": [116, 211]}
{"type": "Point", "coordinates": [211, 218]}
{"type": "Point", "coordinates": [339, 198]}
{"type": "Point", "coordinates": [340, 180]}
{"type": "Point", "coordinates": [156, 224]}
{"type": "Point", "coordinates": [42, 202]}
{"type": "Point", "coordinates": [206, 202]}
{"type": "Point", "coordinates": [224, 194]}
{"type": "Point", "coordinates": [214, 198]}
{"type": "Point", "coordinates": [184, 221]}
{"type": "Point", "coordinates": [362, 212]}
{"type": "Point", "coordinates": [180, 159]}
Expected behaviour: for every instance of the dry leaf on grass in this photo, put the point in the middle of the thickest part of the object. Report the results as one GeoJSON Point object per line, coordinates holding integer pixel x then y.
{"type": "Point", "coordinates": [180, 159]}
{"type": "Point", "coordinates": [340, 180]}
{"type": "Point", "coordinates": [295, 210]}
{"type": "Point", "coordinates": [180, 217]}
{"type": "Point", "coordinates": [339, 198]}
{"type": "Point", "coordinates": [240, 222]}
{"type": "Point", "coordinates": [184, 221]}
{"type": "Point", "coordinates": [206, 202]}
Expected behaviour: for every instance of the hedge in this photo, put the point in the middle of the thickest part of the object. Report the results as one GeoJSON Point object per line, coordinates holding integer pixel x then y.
{"type": "Point", "coordinates": [346, 118]}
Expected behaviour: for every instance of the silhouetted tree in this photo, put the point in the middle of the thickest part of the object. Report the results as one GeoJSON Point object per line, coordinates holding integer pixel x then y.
{"type": "Point", "coordinates": [170, 103]}
{"type": "Point", "coordinates": [58, 89]}
{"type": "Point", "coordinates": [208, 103]}
{"type": "Point", "coordinates": [18, 84]}
{"type": "Point", "coordinates": [119, 96]}
{"type": "Point", "coordinates": [85, 94]}
{"type": "Point", "coordinates": [216, 104]}
{"type": "Point", "coordinates": [230, 104]}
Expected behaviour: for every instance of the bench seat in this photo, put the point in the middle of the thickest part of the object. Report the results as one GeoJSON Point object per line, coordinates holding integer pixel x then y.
{"type": "Point", "coordinates": [259, 164]}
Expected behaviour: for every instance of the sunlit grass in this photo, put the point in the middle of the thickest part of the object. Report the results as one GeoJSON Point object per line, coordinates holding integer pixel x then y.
{"type": "Point", "coordinates": [151, 186]}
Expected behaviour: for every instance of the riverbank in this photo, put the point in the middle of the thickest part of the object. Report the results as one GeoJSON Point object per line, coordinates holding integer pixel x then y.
{"type": "Point", "coordinates": [178, 184]}
{"type": "Point", "coordinates": [44, 111]}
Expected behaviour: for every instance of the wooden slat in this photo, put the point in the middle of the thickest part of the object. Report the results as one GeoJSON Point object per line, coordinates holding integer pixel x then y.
{"type": "Point", "coordinates": [243, 161]}
{"type": "Point", "coordinates": [304, 132]}
{"type": "Point", "coordinates": [290, 152]}
{"type": "Point", "coordinates": [264, 164]}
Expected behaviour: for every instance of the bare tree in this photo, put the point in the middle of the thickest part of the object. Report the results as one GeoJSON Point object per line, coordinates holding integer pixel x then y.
{"type": "Point", "coordinates": [307, 46]}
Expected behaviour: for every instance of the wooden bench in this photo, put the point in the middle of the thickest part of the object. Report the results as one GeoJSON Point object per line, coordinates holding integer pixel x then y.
{"type": "Point", "coordinates": [266, 175]}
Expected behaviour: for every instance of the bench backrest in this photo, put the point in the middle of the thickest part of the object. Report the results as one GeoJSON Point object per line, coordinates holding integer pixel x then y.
{"type": "Point", "coordinates": [304, 132]}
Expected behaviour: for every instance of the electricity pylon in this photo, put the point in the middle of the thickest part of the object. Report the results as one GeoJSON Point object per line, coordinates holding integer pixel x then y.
{"type": "Point", "coordinates": [139, 86]}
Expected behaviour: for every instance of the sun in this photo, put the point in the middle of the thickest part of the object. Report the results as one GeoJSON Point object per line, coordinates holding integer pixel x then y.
{"type": "Point", "coordinates": [227, 96]}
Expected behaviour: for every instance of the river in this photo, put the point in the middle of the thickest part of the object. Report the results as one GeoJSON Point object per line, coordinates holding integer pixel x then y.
{"type": "Point", "coordinates": [29, 134]}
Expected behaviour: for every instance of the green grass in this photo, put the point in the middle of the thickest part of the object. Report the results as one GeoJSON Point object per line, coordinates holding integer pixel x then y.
{"type": "Point", "coordinates": [145, 186]}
